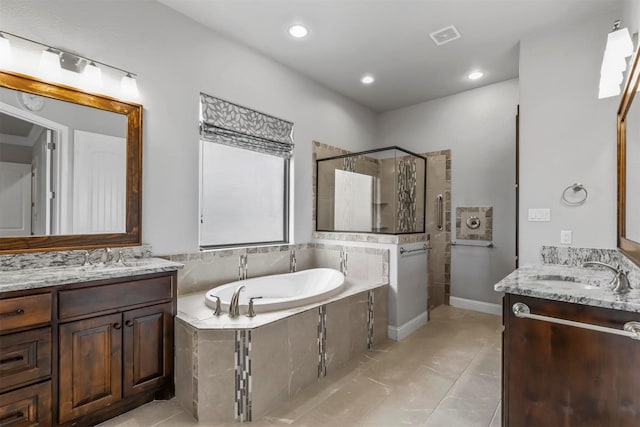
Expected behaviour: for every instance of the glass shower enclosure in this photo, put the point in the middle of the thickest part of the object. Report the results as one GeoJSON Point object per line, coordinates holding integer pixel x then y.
{"type": "Point", "coordinates": [378, 191]}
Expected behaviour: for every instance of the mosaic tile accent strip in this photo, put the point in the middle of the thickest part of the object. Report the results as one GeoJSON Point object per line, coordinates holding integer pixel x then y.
{"type": "Point", "coordinates": [370, 318]}
{"type": "Point", "coordinates": [242, 267]}
{"type": "Point", "coordinates": [474, 223]}
{"type": "Point", "coordinates": [344, 267]}
{"type": "Point", "coordinates": [407, 182]}
{"type": "Point", "coordinates": [243, 375]}
{"type": "Point", "coordinates": [224, 122]}
{"type": "Point", "coordinates": [322, 341]}
{"type": "Point", "coordinates": [349, 164]}
{"type": "Point", "coordinates": [292, 261]}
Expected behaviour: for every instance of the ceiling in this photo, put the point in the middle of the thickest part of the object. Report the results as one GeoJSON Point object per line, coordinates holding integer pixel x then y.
{"type": "Point", "coordinates": [390, 39]}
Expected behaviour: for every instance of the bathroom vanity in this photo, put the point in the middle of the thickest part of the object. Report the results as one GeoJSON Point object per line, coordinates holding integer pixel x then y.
{"type": "Point", "coordinates": [569, 374]}
{"type": "Point", "coordinates": [81, 345]}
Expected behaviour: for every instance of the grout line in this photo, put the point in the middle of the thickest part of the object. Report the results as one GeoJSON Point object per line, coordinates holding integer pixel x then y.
{"type": "Point", "coordinates": [457, 379]}
{"type": "Point", "coordinates": [496, 413]}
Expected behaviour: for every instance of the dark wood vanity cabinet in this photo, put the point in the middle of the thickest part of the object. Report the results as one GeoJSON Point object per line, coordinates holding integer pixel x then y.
{"type": "Point", "coordinates": [26, 360]}
{"type": "Point", "coordinates": [557, 375]}
{"type": "Point", "coordinates": [104, 348]}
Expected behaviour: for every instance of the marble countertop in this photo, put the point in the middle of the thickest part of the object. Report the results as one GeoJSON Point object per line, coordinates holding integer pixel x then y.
{"type": "Point", "coordinates": [526, 281]}
{"type": "Point", "coordinates": [192, 309]}
{"type": "Point", "coordinates": [33, 278]}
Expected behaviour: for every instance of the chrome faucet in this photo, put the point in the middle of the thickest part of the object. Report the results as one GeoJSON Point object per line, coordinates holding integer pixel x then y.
{"type": "Point", "coordinates": [107, 257]}
{"type": "Point", "coordinates": [234, 306]}
{"type": "Point", "coordinates": [620, 282]}
{"type": "Point", "coordinates": [86, 258]}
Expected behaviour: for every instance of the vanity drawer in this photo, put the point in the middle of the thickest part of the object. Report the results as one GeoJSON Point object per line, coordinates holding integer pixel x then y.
{"type": "Point", "coordinates": [28, 406]}
{"type": "Point", "coordinates": [79, 302]}
{"type": "Point", "coordinates": [20, 312]}
{"type": "Point", "coordinates": [24, 357]}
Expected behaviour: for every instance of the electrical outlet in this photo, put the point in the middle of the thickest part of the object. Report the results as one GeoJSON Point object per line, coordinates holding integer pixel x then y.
{"type": "Point", "coordinates": [565, 237]}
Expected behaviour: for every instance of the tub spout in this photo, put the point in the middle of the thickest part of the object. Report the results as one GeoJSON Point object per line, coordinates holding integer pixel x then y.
{"type": "Point", "coordinates": [234, 306]}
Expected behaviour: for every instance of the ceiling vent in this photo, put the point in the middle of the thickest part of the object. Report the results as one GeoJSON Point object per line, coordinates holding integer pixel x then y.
{"type": "Point", "coordinates": [445, 35]}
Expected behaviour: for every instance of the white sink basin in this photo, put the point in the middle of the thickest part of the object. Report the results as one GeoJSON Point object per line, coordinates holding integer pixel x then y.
{"type": "Point", "coordinates": [562, 282]}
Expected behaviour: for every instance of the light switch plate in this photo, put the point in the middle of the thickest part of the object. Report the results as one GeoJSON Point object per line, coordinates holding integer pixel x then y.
{"type": "Point", "coordinates": [538, 215]}
{"type": "Point", "coordinates": [565, 237]}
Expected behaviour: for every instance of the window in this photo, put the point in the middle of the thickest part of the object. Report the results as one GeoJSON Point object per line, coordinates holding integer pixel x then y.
{"type": "Point", "coordinates": [244, 188]}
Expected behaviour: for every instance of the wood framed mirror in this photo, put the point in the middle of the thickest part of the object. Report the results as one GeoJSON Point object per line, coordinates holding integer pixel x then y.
{"type": "Point", "coordinates": [629, 166]}
{"type": "Point", "coordinates": [70, 168]}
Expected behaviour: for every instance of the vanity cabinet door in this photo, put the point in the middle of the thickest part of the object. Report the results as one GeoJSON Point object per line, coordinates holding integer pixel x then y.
{"type": "Point", "coordinates": [558, 375]}
{"type": "Point", "coordinates": [90, 376]}
{"type": "Point", "coordinates": [148, 348]}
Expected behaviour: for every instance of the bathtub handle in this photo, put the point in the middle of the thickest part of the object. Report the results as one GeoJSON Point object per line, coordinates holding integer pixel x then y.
{"type": "Point", "coordinates": [251, 312]}
{"type": "Point", "coordinates": [218, 309]}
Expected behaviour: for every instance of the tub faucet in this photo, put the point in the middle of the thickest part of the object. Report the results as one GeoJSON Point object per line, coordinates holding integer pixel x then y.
{"type": "Point", "coordinates": [234, 306]}
{"type": "Point", "coordinates": [620, 282]}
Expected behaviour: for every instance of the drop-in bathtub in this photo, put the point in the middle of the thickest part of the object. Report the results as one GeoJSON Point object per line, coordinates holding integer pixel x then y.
{"type": "Point", "coordinates": [280, 291]}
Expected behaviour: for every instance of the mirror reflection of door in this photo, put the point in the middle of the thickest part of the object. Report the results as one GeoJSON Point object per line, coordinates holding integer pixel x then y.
{"type": "Point", "coordinates": [99, 183]}
{"type": "Point", "coordinates": [25, 170]}
{"type": "Point", "coordinates": [15, 199]}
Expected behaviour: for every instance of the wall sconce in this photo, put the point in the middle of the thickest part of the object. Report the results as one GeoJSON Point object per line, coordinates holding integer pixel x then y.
{"type": "Point", "coordinates": [54, 60]}
{"type": "Point", "coordinates": [5, 52]}
{"type": "Point", "coordinates": [614, 62]}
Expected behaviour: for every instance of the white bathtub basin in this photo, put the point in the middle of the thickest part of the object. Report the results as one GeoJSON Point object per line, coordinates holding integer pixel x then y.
{"type": "Point", "coordinates": [280, 291]}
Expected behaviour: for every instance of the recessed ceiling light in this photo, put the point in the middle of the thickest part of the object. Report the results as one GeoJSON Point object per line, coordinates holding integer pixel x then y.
{"type": "Point", "coordinates": [298, 31]}
{"type": "Point", "coordinates": [475, 75]}
{"type": "Point", "coordinates": [367, 79]}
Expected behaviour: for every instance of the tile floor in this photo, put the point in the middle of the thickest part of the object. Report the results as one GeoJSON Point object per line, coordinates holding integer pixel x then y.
{"type": "Point", "coordinates": [446, 374]}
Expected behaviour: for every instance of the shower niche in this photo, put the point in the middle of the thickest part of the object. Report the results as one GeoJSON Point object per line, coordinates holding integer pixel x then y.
{"type": "Point", "coordinates": [379, 191]}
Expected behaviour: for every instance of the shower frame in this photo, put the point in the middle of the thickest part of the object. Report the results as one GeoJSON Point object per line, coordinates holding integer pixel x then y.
{"type": "Point", "coordinates": [362, 153]}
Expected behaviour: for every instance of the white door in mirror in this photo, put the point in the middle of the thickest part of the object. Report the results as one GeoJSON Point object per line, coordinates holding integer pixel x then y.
{"type": "Point", "coordinates": [30, 101]}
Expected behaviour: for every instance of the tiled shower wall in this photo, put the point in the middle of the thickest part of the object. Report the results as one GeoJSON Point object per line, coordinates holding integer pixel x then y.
{"type": "Point", "coordinates": [439, 264]}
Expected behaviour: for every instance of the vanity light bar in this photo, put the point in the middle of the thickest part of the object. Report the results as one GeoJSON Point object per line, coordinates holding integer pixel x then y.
{"type": "Point", "coordinates": [77, 63]}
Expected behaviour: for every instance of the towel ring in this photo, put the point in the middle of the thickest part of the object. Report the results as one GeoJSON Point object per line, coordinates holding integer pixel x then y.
{"type": "Point", "coordinates": [577, 187]}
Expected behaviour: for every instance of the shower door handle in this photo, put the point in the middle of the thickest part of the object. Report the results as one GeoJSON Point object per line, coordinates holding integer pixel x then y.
{"type": "Point", "coordinates": [439, 211]}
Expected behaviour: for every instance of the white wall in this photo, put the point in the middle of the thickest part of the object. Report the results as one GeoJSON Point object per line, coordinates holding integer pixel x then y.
{"type": "Point", "coordinates": [479, 128]}
{"type": "Point", "coordinates": [567, 135]}
{"type": "Point", "coordinates": [175, 59]}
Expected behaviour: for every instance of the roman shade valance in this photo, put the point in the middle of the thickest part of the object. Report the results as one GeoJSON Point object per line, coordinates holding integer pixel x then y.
{"type": "Point", "coordinates": [224, 122]}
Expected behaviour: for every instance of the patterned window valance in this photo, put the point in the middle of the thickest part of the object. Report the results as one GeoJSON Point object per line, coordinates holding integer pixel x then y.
{"type": "Point", "coordinates": [227, 123]}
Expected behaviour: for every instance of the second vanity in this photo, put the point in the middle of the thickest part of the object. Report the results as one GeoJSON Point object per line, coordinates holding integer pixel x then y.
{"type": "Point", "coordinates": [570, 349]}
{"type": "Point", "coordinates": [80, 344]}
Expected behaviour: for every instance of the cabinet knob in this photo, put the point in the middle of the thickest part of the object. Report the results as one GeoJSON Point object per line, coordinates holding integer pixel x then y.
{"type": "Point", "coordinates": [117, 325]}
{"type": "Point", "coordinates": [128, 323]}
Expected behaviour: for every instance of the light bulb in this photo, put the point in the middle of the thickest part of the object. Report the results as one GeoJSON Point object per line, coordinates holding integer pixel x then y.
{"type": "Point", "coordinates": [367, 79]}
{"type": "Point", "coordinates": [475, 75]}
{"type": "Point", "coordinates": [5, 52]}
{"type": "Point", "coordinates": [129, 87]}
{"type": "Point", "coordinates": [50, 65]}
{"type": "Point", "coordinates": [92, 77]}
{"type": "Point", "coordinates": [298, 31]}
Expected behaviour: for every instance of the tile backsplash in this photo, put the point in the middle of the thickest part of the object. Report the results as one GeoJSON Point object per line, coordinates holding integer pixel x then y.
{"type": "Point", "coordinates": [574, 257]}
{"type": "Point", "coordinates": [23, 261]}
{"type": "Point", "coordinates": [206, 270]}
